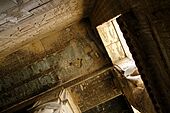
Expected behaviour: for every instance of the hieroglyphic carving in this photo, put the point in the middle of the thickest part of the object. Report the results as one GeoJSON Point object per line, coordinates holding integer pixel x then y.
{"type": "Point", "coordinates": [61, 14]}
{"type": "Point", "coordinates": [71, 54]}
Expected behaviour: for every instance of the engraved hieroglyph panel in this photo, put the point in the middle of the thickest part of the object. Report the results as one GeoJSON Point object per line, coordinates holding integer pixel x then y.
{"type": "Point", "coordinates": [42, 21]}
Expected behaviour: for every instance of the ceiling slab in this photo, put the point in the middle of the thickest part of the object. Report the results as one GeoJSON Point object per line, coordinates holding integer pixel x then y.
{"type": "Point", "coordinates": [31, 19]}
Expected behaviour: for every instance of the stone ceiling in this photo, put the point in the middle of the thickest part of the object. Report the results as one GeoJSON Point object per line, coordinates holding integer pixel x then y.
{"type": "Point", "coordinates": [24, 20]}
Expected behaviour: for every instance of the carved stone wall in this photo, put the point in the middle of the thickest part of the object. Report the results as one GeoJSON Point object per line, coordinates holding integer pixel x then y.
{"type": "Point", "coordinates": [48, 62]}
{"type": "Point", "coordinates": [32, 19]}
{"type": "Point", "coordinates": [95, 90]}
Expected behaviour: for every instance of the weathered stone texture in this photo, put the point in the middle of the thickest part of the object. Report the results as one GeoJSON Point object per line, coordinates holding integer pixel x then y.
{"type": "Point", "coordinates": [96, 90]}
{"type": "Point", "coordinates": [34, 18]}
{"type": "Point", "coordinates": [44, 63]}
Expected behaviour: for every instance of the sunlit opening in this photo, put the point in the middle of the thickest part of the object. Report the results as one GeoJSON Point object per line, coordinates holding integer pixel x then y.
{"type": "Point", "coordinates": [118, 51]}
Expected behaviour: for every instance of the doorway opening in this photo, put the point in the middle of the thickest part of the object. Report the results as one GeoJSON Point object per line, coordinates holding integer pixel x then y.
{"type": "Point", "coordinates": [118, 50]}
{"type": "Point", "coordinates": [115, 43]}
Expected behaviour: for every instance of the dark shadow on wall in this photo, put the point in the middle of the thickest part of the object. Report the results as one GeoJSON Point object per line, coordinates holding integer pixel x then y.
{"type": "Point", "coordinates": [116, 105]}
